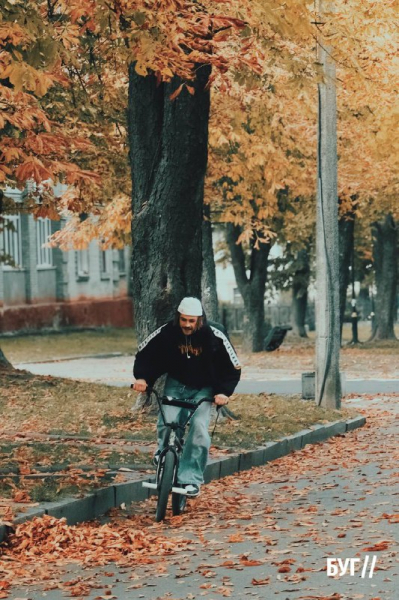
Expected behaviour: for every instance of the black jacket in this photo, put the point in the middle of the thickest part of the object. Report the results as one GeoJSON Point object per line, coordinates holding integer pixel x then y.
{"type": "Point", "coordinates": [206, 358]}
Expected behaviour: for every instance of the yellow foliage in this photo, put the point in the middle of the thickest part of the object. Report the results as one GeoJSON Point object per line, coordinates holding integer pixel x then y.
{"type": "Point", "coordinates": [63, 109]}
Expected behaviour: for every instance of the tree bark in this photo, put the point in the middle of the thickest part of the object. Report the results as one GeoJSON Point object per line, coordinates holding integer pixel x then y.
{"type": "Point", "coordinates": [346, 228]}
{"type": "Point", "coordinates": [300, 285]}
{"type": "Point", "coordinates": [4, 363]}
{"type": "Point", "coordinates": [209, 289]}
{"type": "Point", "coordinates": [252, 288]}
{"type": "Point", "coordinates": [385, 256]}
{"type": "Point", "coordinates": [168, 143]}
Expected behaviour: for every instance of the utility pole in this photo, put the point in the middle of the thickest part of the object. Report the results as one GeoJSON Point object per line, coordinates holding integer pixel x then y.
{"type": "Point", "coordinates": [328, 385]}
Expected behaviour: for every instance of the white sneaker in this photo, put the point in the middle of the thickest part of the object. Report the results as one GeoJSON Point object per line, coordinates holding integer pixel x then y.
{"type": "Point", "coordinates": [192, 490]}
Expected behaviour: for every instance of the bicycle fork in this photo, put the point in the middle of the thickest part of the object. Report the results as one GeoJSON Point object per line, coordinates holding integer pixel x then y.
{"type": "Point", "coordinates": [171, 447]}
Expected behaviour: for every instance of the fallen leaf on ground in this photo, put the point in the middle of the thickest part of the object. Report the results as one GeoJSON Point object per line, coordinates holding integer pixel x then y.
{"type": "Point", "coordinates": [265, 581]}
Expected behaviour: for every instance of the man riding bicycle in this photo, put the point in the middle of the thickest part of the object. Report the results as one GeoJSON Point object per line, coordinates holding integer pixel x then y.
{"type": "Point", "coordinates": [200, 362]}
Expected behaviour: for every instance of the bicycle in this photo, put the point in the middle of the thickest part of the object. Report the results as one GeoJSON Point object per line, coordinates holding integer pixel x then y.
{"type": "Point", "coordinates": [169, 458]}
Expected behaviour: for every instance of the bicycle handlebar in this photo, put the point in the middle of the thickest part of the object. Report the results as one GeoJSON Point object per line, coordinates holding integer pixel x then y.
{"type": "Point", "coordinates": [165, 400]}
{"type": "Point", "coordinates": [184, 403]}
{"type": "Point", "coordinates": [175, 401]}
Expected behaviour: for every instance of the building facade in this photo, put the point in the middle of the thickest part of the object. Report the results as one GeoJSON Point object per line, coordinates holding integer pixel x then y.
{"type": "Point", "coordinates": [47, 288]}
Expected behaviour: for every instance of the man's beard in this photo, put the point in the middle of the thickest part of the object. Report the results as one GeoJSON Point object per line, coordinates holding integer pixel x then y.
{"type": "Point", "coordinates": [187, 330]}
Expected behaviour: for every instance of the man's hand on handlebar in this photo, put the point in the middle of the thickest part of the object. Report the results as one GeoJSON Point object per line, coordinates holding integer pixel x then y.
{"type": "Point", "coordinates": [140, 385]}
{"type": "Point", "coordinates": [221, 399]}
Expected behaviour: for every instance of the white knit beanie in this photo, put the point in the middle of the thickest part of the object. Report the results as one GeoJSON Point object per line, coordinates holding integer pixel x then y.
{"type": "Point", "coordinates": [191, 307]}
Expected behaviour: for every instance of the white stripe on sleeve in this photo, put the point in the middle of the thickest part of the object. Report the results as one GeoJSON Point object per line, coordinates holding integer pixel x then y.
{"type": "Point", "coordinates": [229, 348]}
{"type": "Point", "coordinates": [149, 338]}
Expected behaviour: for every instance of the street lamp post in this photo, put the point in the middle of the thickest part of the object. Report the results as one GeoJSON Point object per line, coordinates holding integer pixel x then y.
{"type": "Point", "coordinates": [328, 339]}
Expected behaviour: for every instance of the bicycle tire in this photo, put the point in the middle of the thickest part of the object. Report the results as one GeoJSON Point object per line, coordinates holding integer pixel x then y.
{"type": "Point", "coordinates": [165, 485]}
{"type": "Point", "coordinates": [178, 503]}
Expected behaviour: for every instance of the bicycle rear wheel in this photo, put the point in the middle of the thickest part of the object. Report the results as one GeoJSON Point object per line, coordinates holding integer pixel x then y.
{"type": "Point", "coordinates": [178, 503]}
{"type": "Point", "coordinates": [165, 485]}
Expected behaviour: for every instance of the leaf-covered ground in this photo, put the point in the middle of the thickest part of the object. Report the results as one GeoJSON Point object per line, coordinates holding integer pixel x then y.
{"type": "Point", "coordinates": [379, 360]}
{"type": "Point", "coordinates": [367, 360]}
{"type": "Point", "coordinates": [97, 431]}
{"type": "Point", "coordinates": [60, 436]}
{"type": "Point", "coordinates": [263, 533]}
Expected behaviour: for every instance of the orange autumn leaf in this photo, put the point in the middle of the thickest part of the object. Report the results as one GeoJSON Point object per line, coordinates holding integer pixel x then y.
{"type": "Point", "coordinates": [235, 538]}
{"type": "Point", "coordinates": [224, 591]}
{"type": "Point", "coordinates": [265, 581]}
{"type": "Point", "coordinates": [227, 563]}
{"type": "Point", "coordinates": [391, 518]}
{"type": "Point", "coordinates": [250, 563]}
{"type": "Point", "coordinates": [4, 585]}
{"type": "Point", "coordinates": [21, 496]}
{"type": "Point", "coordinates": [176, 93]}
{"type": "Point", "coordinates": [378, 547]}
{"type": "Point", "coordinates": [284, 569]}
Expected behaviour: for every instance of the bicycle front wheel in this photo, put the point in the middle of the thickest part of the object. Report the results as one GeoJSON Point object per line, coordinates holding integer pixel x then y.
{"type": "Point", "coordinates": [178, 503]}
{"type": "Point", "coordinates": [165, 485]}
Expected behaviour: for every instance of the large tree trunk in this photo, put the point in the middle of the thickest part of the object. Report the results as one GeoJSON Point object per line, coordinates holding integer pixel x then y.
{"type": "Point", "coordinates": [4, 363]}
{"type": "Point", "coordinates": [346, 228]}
{"type": "Point", "coordinates": [385, 256]}
{"type": "Point", "coordinates": [168, 143]}
{"type": "Point", "coordinates": [252, 288]}
{"type": "Point", "coordinates": [300, 285]}
{"type": "Point", "coordinates": [209, 289]}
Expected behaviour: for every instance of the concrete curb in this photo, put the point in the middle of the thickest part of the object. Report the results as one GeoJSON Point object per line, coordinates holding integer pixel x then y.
{"type": "Point", "coordinates": [77, 510]}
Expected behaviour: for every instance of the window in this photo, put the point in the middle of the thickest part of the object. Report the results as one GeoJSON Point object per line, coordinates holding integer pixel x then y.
{"type": "Point", "coordinates": [82, 263]}
{"type": "Point", "coordinates": [43, 232]}
{"type": "Point", "coordinates": [12, 244]}
{"type": "Point", "coordinates": [103, 262]}
{"type": "Point", "coordinates": [122, 261]}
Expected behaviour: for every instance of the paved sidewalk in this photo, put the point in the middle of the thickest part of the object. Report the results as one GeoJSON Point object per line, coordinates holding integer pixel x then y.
{"type": "Point", "coordinates": [263, 533]}
{"type": "Point", "coordinates": [117, 371]}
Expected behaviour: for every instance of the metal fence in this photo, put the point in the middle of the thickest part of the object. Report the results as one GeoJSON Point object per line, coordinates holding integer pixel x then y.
{"type": "Point", "coordinates": [233, 317]}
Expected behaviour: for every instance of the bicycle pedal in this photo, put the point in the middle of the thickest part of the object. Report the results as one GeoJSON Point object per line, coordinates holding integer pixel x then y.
{"type": "Point", "coordinates": [179, 490]}
{"type": "Point", "coordinates": [147, 484]}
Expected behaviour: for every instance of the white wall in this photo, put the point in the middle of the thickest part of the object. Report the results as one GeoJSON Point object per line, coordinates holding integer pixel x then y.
{"type": "Point", "coordinates": [225, 278]}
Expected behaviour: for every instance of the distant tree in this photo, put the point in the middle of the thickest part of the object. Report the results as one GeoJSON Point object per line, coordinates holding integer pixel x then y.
{"type": "Point", "coordinates": [208, 283]}
{"type": "Point", "coordinates": [250, 270]}
{"type": "Point", "coordinates": [292, 271]}
{"type": "Point", "coordinates": [300, 284]}
{"type": "Point", "coordinates": [346, 227]}
{"type": "Point", "coordinates": [385, 257]}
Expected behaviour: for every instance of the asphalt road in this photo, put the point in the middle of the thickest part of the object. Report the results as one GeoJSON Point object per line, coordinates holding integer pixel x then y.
{"type": "Point", "coordinates": [118, 371]}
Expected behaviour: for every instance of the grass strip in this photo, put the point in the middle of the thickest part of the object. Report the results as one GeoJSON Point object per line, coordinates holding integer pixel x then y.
{"type": "Point", "coordinates": [48, 469]}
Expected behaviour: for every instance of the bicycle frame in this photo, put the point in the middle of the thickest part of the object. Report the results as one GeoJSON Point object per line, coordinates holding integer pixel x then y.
{"type": "Point", "coordinates": [173, 447]}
